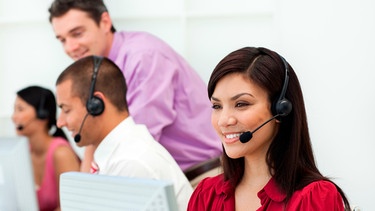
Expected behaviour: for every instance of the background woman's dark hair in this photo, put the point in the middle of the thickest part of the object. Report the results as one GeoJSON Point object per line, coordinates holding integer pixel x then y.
{"type": "Point", "coordinates": [94, 9]}
{"type": "Point", "coordinates": [290, 155]}
{"type": "Point", "coordinates": [44, 103]}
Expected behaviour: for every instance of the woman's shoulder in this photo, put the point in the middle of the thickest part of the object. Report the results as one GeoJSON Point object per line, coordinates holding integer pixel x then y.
{"type": "Point", "coordinates": [59, 141]}
{"type": "Point", "coordinates": [321, 194]}
{"type": "Point", "coordinates": [209, 181]}
{"type": "Point", "coordinates": [210, 194]}
{"type": "Point", "coordinates": [59, 148]}
{"type": "Point", "coordinates": [214, 186]}
{"type": "Point", "coordinates": [320, 186]}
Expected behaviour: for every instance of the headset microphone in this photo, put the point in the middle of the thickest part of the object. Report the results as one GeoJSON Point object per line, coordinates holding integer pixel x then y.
{"type": "Point", "coordinates": [246, 136]}
{"type": "Point", "coordinates": [22, 126]}
{"type": "Point", "coordinates": [77, 138]}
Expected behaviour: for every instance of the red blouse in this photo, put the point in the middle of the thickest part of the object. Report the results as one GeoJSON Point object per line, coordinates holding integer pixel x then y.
{"type": "Point", "coordinates": [216, 194]}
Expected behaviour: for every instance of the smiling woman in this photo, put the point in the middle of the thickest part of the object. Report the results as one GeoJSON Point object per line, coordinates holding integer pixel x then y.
{"type": "Point", "coordinates": [255, 89]}
{"type": "Point", "coordinates": [241, 106]}
{"type": "Point", "coordinates": [34, 117]}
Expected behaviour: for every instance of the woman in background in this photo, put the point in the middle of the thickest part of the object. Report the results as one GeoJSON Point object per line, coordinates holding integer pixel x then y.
{"type": "Point", "coordinates": [268, 162]}
{"type": "Point", "coordinates": [35, 118]}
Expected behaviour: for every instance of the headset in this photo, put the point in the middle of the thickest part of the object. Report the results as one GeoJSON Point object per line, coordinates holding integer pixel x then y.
{"type": "Point", "coordinates": [41, 112]}
{"type": "Point", "coordinates": [95, 105]}
{"type": "Point", "coordinates": [282, 107]}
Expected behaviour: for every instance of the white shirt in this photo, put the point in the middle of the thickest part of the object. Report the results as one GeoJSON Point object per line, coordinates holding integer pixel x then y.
{"type": "Point", "coordinates": [130, 150]}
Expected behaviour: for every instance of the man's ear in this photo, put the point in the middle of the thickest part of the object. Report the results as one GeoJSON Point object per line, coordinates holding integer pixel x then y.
{"type": "Point", "coordinates": [106, 22]}
{"type": "Point", "coordinates": [99, 94]}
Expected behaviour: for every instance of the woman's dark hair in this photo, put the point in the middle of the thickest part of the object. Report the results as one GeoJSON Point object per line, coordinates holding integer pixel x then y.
{"type": "Point", "coordinates": [94, 8]}
{"type": "Point", "coordinates": [44, 103]}
{"type": "Point", "coordinates": [290, 156]}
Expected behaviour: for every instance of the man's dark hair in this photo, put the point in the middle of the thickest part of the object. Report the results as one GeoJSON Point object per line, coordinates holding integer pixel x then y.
{"type": "Point", "coordinates": [94, 9]}
{"type": "Point", "coordinates": [110, 81]}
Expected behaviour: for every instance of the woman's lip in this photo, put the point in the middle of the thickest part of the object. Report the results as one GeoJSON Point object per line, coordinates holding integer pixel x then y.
{"type": "Point", "coordinates": [230, 138]}
{"type": "Point", "coordinates": [231, 141]}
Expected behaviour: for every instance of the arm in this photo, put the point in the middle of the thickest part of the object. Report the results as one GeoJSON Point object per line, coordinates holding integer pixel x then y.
{"type": "Point", "coordinates": [88, 157]}
{"type": "Point", "coordinates": [64, 160]}
{"type": "Point", "coordinates": [150, 79]}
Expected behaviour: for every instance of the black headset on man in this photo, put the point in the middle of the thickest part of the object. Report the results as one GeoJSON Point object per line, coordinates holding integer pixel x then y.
{"type": "Point", "coordinates": [94, 105]}
{"type": "Point", "coordinates": [280, 108]}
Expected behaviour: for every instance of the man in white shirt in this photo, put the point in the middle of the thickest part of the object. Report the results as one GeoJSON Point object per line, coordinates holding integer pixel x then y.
{"type": "Point", "coordinates": [92, 96]}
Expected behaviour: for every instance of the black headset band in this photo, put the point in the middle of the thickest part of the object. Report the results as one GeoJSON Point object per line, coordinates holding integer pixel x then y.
{"type": "Point", "coordinates": [97, 61]}
{"type": "Point", "coordinates": [286, 79]}
{"type": "Point", "coordinates": [95, 105]}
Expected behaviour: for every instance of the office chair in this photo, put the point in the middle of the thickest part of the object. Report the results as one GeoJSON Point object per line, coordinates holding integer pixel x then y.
{"type": "Point", "coordinates": [195, 173]}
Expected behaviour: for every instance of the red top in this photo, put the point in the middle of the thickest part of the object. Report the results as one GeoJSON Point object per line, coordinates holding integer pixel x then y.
{"type": "Point", "coordinates": [216, 194]}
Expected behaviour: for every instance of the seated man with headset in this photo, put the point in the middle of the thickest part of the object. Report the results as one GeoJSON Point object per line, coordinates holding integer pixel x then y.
{"type": "Point", "coordinates": [91, 93]}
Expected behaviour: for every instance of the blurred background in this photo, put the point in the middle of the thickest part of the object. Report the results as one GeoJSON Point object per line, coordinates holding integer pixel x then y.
{"type": "Point", "coordinates": [329, 43]}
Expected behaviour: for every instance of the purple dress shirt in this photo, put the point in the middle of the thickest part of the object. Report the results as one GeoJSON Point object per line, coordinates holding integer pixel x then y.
{"type": "Point", "coordinates": [166, 95]}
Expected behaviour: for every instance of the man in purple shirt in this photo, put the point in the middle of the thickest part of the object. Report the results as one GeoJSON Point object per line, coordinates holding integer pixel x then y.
{"type": "Point", "coordinates": [164, 92]}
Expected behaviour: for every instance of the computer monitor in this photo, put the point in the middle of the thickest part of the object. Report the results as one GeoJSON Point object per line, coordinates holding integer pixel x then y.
{"type": "Point", "coordinates": [17, 188]}
{"type": "Point", "coordinates": [83, 191]}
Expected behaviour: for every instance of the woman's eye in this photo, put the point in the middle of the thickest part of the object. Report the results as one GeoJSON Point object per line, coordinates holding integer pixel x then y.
{"type": "Point", "coordinates": [242, 104]}
{"type": "Point", "coordinates": [214, 106]}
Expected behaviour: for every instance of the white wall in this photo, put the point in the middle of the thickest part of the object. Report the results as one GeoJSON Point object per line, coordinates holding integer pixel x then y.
{"type": "Point", "coordinates": [328, 42]}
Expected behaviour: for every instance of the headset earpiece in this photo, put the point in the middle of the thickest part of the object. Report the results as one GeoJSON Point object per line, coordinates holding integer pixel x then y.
{"type": "Point", "coordinates": [283, 106]}
{"type": "Point", "coordinates": [42, 113]}
{"type": "Point", "coordinates": [95, 105]}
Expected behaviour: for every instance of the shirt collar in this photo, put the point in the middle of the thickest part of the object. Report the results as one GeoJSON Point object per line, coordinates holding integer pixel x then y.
{"type": "Point", "coordinates": [225, 187]}
{"type": "Point", "coordinates": [110, 142]}
{"type": "Point", "coordinates": [271, 191]}
{"type": "Point", "coordinates": [116, 44]}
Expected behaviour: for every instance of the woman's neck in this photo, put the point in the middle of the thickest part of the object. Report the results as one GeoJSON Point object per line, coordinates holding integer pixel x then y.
{"type": "Point", "coordinates": [256, 173]}
{"type": "Point", "coordinates": [39, 143]}
{"type": "Point", "coordinates": [256, 176]}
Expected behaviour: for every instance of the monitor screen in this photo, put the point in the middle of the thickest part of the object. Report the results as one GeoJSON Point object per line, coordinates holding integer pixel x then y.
{"type": "Point", "coordinates": [17, 189]}
{"type": "Point", "coordinates": [83, 191]}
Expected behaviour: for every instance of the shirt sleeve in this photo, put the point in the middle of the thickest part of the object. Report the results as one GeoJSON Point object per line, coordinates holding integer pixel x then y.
{"type": "Point", "coordinates": [196, 201]}
{"type": "Point", "coordinates": [320, 195]}
{"type": "Point", "coordinates": [132, 168]}
{"type": "Point", "coordinates": [151, 78]}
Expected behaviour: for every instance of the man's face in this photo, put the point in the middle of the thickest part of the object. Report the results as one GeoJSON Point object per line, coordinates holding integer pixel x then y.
{"type": "Point", "coordinates": [72, 113]}
{"type": "Point", "coordinates": [80, 35]}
